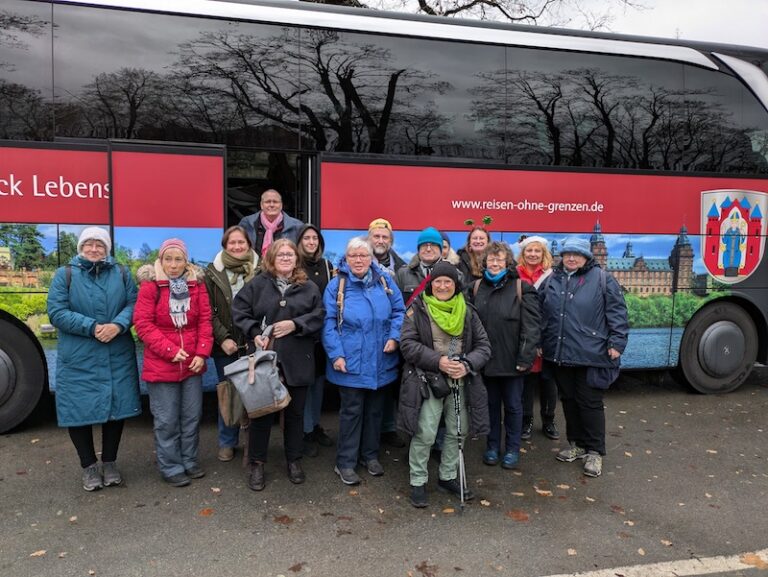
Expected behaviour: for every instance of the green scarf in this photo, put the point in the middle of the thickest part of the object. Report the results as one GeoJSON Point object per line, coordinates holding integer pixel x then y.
{"type": "Point", "coordinates": [448, 315]}
{"type": "Point", "coordinates": [239, 266]}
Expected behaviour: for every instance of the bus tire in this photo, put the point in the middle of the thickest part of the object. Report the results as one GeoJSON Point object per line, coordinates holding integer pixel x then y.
{"type": "Point", "coordinates": [718, 349]}
{"type": "Point", "coordinates": [22, 375]}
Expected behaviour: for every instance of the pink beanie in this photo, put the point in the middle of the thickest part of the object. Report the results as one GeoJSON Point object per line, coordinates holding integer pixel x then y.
{"type": "Point", "coordinates": [176, 243]}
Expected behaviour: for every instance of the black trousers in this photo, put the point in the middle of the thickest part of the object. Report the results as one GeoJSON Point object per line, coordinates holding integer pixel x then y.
{"type": "Point", "coordinates": [82, 438]}
{"type": "Point", "coordinates": [583, 408]}
{"type": "Point", "coordinates": [547, 396]}
{"type": "Point", "coordinates": [293, 434]}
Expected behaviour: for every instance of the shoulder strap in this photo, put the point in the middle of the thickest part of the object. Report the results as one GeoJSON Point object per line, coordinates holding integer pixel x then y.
{"type": "Point", "coordinates": [475, 288]}
{"type": "Point", "coordinates": [519, 289]}
{"type": "Point", "coordinates": [68, 274]}
{"type": "Point", "coordinates": [340, 301]}
{"type": "Point", "coordinates": [603, 280]}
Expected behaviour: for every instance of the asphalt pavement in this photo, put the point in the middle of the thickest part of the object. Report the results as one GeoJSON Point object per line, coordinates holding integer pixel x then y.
{"type": "Point", "coordinates": [685, 478]}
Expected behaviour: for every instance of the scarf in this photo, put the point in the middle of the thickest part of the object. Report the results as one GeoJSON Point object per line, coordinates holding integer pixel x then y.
{"type": "Point", "coordinates": [178, 300]}
{"type": "Point", "coordinates": [282, 284]}
{"type": "Point", "coordinates": [495, 279]}
{"type": "Point", "coordinates": [270, 228]}
{"type": "Point", "coordinates": [239, 266]}
{"type": "Point", "coordinates": [448, 315]}
{"type": "Point", "coordinates": [385, 260]}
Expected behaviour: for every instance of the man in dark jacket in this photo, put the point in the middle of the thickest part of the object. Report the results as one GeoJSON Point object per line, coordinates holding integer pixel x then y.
{"type": "Point", "coordinates": [584, 332]}
{"type": "Point", "coordinates": [412, 278]}
{"type": "Point", "coordinates": [381, 237]}
{"type": "Point", "coordinates": [270, 223]}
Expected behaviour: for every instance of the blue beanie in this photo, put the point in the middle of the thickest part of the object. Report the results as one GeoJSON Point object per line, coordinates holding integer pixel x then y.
{"type": "Point", "coordinates": [576, 245]}
{"type": "Point", "coordinates": [429, 234]}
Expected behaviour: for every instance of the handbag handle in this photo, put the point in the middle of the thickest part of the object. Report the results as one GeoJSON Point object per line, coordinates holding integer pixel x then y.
{"type": "Point", "coordinates": [267, 332]}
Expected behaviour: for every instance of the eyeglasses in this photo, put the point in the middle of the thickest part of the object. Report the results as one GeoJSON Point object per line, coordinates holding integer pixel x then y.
{"type": "Point", "coordinates": [500, 259]}
{"type": "Point", "coordinates": [358, 256]}
{"type": "Point", "coordinates": [94, 244]}
{"type": "Point", "coordinates": [285, 255]}
{"type": "Point", "coordinates": [430, 245]}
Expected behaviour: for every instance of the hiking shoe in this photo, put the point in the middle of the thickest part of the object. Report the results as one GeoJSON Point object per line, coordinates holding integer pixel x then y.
{"type": "Point", "coordinates": [110, 474]}
{"type": "Point", "coordinates": [570, 454]}
{"type": "Point", "coordinates": [177, 480]}
{"type": "Point", "coordinates": [92, 480]}
{"type": "Point", "coordinates": [550, 430]}
{"type": "Point", "coordinates": [510, 460]}
{"type": "Point", "coordinates": [195, 472]}
{"type": "Point", "coordinates": [593, 465]}
{"type": "Point", "coordinates": [393, 439]}
{"type": "Point", "coordinates": [419, 496]}
{"type": "Point", "coordinates": [309, 447]}
{"type": "Point", "coordinates": [527, 431]}
{"type": "Point", "coordinates": [296, 473]}
{"type": "Point", "coordinates": [322, 437]}
{"type": "Point", "coordinates": [256, 477]}
{"type": "Point", "coordinates": [452, 486]}
{"type": "Point", "coordinates": [226, 454]}
{"type": "Point", "coordinates": [491, 457]}
{"type": "Point", "coordinates": [347, 476]}
{"type": "Point", "coordinates": [374, 467]}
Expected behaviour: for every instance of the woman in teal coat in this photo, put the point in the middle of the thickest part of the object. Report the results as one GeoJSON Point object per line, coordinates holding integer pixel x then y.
{"type": "Point", "coordinates": [91, 302]}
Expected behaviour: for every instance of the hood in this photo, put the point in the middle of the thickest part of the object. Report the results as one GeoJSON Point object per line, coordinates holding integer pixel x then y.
{"type": "Point", "coordinates": [321, 240]}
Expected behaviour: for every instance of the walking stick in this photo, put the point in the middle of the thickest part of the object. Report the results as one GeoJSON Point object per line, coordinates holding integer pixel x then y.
{"type": "Point", "coordinates": [457, 408]}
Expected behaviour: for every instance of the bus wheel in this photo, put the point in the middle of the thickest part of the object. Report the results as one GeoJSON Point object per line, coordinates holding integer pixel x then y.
{"type": "Point", "coordinates": [719, 348]}
{"type": "Point", "coordinates": [22, 375]}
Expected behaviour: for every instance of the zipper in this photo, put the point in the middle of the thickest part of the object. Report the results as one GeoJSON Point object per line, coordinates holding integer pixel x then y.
{"type": "Point", "coordinates": [181, 363]}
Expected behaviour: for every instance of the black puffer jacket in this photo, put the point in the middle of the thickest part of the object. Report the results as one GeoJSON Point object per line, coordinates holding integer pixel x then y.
{"type": "Point", "coordinates": [512, 324]}
{"type": "Point", "coordinates": [260, 300]}
{"type": "Point", "coordinates": [582, 317]}
{"type": "Point", "coordinates": [416, 345]}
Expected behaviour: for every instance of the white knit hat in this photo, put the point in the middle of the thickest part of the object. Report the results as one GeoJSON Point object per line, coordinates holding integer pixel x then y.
{"type": "Point", "coordinates": [94, 233]}
{"type": "Point", "coordinates": [529, 239]}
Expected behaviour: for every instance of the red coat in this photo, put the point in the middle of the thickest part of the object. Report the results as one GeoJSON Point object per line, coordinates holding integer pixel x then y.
{"type": "Point", "coordinates": [162, 340]}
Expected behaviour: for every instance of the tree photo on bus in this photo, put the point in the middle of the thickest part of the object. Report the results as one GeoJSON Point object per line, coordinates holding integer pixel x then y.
{"type": "Point", "coordinates": [656, 151]}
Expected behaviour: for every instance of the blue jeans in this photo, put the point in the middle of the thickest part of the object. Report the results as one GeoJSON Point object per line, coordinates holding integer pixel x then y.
{"type": "Point", "coordinates": [313, 406]}
{"type": "Point", "coordinates": [359, 425]}
{"type": "Point", "coordinates": [228, 436]}
{"type": "Point", "coordinates": [509, 391]}
{"type": "Point", "coordinates": [176, 408]}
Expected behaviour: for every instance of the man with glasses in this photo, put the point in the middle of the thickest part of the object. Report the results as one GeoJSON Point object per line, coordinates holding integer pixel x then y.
{"type": "Point", "coordinates": [413, 278]}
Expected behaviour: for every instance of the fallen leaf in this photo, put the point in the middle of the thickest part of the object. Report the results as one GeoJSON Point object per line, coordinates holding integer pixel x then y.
{"type": "Point", "coordinates": [517, 515]}
{"type": "Point", "coordinates": [91, 572]}
{"type": "Point", "coordinates": [426, 569]}
{"type": "Point", "coordinates": [666, 542]}
{"type": "Point", "coordinates": [518, 494]}
{"type": "Point", "coordinates": [485, 503]}
{"type": "Point", "coordinates": [73, 519]}
{"type": "Point", "coordinates": [353, 493]}
{"type": "Point", "coordinates": [62, 554]}
{"type": "Point", "coordinates": [449, 510]}
{"type": "Point", "coordinates": [216, 490]}
{"type": "Point", "coordinates": [563, 486]}
{"type": "Point", "coordinates": [641, 551]}
{"type": "Point", "coordinates": [623, 535]}
{"type": "Point", "coordinates": [283, 520]}
{"type": "Point", "coordinates": [629, 523]}
{"type": "Point", "coordinates": [711, 451]}
{"type": "Point", "coordinates": [297, 567]}
{"type": "Point", "coordinates": [754, 560]}
{"type": "Point", "coordinates": [381, 511]}
{"type": "Point", "coordinates": [707, 495]}
{"type": "Point", "coordinates": [571, 552]}
{"type": "Point", "coordinates": [617, 509]}
{"type": "Point", "coordinates": [207, 512]}
{"type": "Point", "coordinates": [648, 451]}
{"type": "Point", "coordinates": [40, 553]}
{"type": "Point", "coordinates": [542, 492]}
{"type": "Point", "coordinates": [33, 441]}
{"type": "Point", "coordinates": [590, 499]}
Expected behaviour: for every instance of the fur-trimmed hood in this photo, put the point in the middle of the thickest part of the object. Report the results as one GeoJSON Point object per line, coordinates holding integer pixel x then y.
{"type": "Point", "coordinates": [154, 273]}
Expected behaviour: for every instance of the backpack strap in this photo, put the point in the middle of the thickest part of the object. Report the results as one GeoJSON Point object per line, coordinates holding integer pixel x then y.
{"type": "Point", "coordinates": [475, 288]}
{"type": "Point", "coordinates": [519, 289]}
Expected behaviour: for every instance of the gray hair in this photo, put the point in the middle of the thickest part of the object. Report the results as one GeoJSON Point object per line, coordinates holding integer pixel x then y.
{"type": "Point", "coordinates": [359, 242]}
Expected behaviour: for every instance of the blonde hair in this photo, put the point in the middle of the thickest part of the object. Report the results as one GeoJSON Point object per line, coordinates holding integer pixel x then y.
{"type": "Point", "coordinates": [268, 262]}
{"type": "Point", "coordinates": [546, 257]}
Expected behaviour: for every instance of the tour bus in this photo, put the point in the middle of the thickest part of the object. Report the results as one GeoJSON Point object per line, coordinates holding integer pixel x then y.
{"type": "Point", "coordinates": [161, 118]}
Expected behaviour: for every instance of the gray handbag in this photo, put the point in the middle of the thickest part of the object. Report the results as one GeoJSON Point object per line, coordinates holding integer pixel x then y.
{"type": "Point", "coordinates": [257, 379]}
